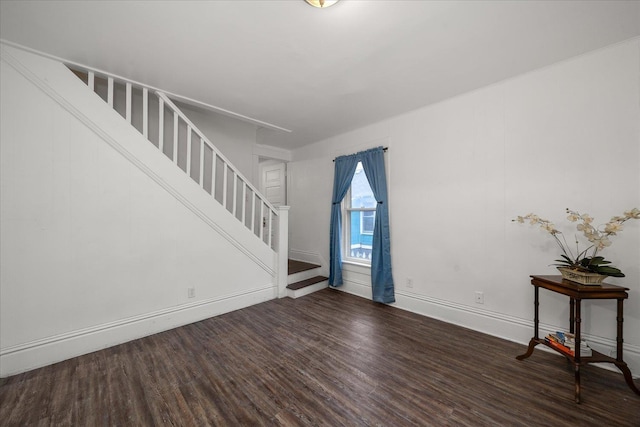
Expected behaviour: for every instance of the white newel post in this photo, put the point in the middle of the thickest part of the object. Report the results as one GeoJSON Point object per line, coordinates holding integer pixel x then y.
{"type": "Point", "coordinates": [283, 250]}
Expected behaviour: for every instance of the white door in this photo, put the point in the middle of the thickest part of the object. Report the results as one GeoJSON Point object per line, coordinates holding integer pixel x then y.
{"type": "Point", "coordinates": [273, 184]}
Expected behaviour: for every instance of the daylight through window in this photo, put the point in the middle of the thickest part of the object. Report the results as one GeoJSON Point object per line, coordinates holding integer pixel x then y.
{"type": "Point", "coordinates": [359, 213]}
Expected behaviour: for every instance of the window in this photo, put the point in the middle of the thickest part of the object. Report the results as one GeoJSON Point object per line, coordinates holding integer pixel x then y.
{"type": "Point", "coordinates": [358, 218]}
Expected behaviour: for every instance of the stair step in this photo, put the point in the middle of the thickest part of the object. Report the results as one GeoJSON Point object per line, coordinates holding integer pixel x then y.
{"type": "Point", "coordinates": [306, 287]}
{"type": "Point", "coordinates": [295, 266]}
{"type": "Point", "coordinates": [304, 283]}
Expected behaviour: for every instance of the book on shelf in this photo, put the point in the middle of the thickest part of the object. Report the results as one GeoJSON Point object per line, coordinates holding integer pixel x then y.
{"type": "Point", "coordinates": [555, 344]}
{"type": "Point", "coordinates": [566, 343]}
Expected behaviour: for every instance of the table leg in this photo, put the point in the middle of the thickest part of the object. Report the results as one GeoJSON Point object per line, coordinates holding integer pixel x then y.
{"type": "Point", "coordinates": [627, 376]}
{"type": "Point", "coordinates": [576, 362]}
{"type": "Point", "coordinates": [619, 340]}
{"type": "Point", "coordinates": [536, 304]}
{"type": "Point", "coordinates": [535, 340]}
{"type": "Point", "coordinates": [572, 315]}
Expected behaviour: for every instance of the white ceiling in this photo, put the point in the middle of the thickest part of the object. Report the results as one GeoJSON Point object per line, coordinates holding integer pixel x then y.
{"type": "Point", "coordinates": [316, 72]}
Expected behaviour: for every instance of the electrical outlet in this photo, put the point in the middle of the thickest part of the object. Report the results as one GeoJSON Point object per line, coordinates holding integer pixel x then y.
{"type": "Point", "coordinates": [479, 297]}
{"type": "Point", "coordinates": [409, 282]}
{"type": "Point", "coordinates": [191, 292]}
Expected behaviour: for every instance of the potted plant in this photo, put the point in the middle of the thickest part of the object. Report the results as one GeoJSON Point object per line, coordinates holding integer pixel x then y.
{"type": "Point", "coordinates": [584, 266]}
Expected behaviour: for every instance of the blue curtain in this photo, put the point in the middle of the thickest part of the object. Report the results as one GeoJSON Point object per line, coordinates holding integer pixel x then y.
{"type": "Point", "coordinates": [345, 167]}
{"type": "Point", "coordinates": [373, 165]}
{"type": "Point", "coordinates": [381, 277]}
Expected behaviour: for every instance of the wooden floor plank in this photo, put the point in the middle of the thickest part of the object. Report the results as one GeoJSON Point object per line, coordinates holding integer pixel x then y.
{"type": "Point", "coordinates": [326, 359]}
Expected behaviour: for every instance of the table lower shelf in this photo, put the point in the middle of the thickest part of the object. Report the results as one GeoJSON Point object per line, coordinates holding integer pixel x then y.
{"type": "Point", "coordinates": [596, 357]}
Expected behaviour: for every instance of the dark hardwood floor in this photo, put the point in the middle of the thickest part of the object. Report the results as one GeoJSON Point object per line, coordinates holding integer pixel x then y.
{"type": "Point", "coordinates": [295, 266]}
{"type": "Point", "coordinates": [327, 359]}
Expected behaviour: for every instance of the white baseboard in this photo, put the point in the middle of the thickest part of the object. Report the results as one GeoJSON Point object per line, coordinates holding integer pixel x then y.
{"type": "Point", "coordinates": [500, 325]}
{"type": "Point", "coordinates": [43, 352]}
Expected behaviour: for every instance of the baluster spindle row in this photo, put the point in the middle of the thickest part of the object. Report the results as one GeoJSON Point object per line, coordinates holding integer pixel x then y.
{"type": "Point", "coordinates": [244, 199]}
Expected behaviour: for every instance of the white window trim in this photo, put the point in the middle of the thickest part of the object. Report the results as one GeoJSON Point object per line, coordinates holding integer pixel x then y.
{"type": "Point", "coordinates": [353, 261]}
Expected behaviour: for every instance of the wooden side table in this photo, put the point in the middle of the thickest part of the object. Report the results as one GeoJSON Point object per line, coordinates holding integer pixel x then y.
{"type": "Point", "coordinates": [576, 294]}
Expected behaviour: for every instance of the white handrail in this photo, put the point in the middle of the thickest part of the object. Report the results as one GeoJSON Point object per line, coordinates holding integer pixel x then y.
{"type": "Point", "coordinates": [78, 66]}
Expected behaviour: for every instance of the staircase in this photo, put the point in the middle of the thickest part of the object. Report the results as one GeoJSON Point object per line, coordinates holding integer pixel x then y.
{"type": "Point", "coordinates": [304, 279]}
{"type": "Point", "coordinates": [154, 115]}
{"type": "Point", "coordinates": [160, 121]}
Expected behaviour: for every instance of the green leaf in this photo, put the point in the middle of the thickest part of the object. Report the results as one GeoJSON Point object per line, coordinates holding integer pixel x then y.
{"type": "Point", "coordinates": [609, 271]}
{"type": "Point", "coordinates": [567, 260]}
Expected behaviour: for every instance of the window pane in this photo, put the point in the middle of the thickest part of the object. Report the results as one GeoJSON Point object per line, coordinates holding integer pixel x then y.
{"type": "Point", "coordinates": [361, 194]}
{"type": "Point", "coordinates": [368, 219]}
{"type": "Point", "coordinates": [360, 243]}
{"type": "Point", "coordinates": [355, 229]}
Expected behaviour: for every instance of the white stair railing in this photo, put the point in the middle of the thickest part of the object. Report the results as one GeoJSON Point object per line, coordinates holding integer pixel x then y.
{"type": "Point", "coordinates": [160, 121]}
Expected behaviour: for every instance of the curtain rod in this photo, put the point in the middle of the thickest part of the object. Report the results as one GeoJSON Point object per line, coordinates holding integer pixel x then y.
{"type": "Point", "coordinates": [383, 149]}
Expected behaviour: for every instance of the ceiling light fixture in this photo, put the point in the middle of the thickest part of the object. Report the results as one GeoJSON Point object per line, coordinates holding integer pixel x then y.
{"type": "Point", "coordinates": [321, 3]}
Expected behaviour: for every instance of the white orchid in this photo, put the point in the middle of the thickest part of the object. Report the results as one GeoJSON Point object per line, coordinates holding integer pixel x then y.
{"type": "Point", "coordinates": [601, 242]}
{"type": "Point", "coordinates": [573, 217]}
{"type": "Point", "coordinates": [613, 227]}
{"type": "Point", "coordinates": [633, 213]}
{"type": "Point", "coordinates": [598, 239]}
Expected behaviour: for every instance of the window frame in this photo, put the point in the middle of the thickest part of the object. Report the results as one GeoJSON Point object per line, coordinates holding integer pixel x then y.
{"type": "Point", "coordinates": [347, 210]}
